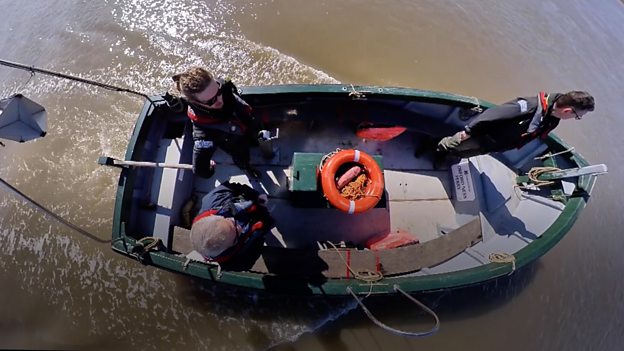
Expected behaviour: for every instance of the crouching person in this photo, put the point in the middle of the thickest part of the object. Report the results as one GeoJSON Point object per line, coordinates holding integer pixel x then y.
{"type": "Point", "coordinates": [231, 225]}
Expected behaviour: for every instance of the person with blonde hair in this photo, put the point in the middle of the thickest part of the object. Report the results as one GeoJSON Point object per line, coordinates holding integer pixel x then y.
{"type": "Point", "coordinates": [231, 225]}
{"type": "Point", "coordinates": [220, 117]}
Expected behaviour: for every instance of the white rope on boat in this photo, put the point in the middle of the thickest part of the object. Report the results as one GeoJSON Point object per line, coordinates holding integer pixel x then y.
{"type": "Point", "coordinates": [478, 107]}
{"type": "Point", "coordinates": [503, 257]}
{"type": "Point", "coordinates": [356, 93]}
{"type": "Point", "coordinates": [555, 154]}
{"type": "Point", "coordinates": [210, 263]}
{"type": "Point", "coordinates": [392, 330]}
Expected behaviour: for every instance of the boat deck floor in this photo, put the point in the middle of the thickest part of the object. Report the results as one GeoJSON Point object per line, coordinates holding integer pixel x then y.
{"type": "Point", "coordinates": [417, 198]}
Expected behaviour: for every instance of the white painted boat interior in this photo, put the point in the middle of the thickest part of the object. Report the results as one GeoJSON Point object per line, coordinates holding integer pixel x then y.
{"type": "Point", "coordinates": [418, 199]}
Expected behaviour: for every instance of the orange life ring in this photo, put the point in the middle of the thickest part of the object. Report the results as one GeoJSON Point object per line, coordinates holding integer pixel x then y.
{"type": "Point", "coordinates": [373, 191]}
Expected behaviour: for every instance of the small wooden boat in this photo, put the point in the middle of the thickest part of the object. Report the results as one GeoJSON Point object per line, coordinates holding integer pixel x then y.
{"type": "Point", "coordinates": [433, 228]}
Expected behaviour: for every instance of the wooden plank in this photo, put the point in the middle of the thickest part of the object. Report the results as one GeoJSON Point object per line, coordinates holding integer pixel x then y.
{"type": "Point", "coordinates": [333, 263]}
{"type": "Point", "coordinates": [431, 253]}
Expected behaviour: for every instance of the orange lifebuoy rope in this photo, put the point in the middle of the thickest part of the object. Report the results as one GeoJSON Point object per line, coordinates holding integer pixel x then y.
{"type": "Point", "coordinates": [373, 191]}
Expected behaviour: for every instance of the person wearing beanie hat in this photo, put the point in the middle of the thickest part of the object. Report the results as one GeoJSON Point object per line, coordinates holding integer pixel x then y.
{"type": "Point", "coordinates": [231, 225]}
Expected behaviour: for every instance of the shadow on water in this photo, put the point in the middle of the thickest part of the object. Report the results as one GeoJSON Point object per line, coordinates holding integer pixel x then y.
{"type": "Point", "coordinates": [450, 306]}
{"type": "Point", "coordinates": [277, 318]}
{"type": "Point", "coordinates": [325, 317]}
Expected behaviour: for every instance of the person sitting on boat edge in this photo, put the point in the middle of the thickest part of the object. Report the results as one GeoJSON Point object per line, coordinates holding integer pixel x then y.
{"type": "Point", "coordinates": [220, 118]}
{"type": "Point", "coordinates": [515, 123]}
{"type": "Point", "coordinates": [231, 225]}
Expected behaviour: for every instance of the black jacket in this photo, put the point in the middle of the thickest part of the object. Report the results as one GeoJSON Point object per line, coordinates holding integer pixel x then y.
{"type": "Point", "coordinates": [235, 110]}
{"type": "Point", "coordinates": [514, 123]}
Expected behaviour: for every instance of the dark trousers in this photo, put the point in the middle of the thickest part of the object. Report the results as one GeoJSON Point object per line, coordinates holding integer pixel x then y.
{"type": "Point", "coordinates": [205, 143]}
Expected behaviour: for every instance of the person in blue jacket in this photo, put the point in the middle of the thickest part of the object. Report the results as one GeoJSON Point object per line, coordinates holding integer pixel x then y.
{"type": "Point", "coordinates": [231, 225]}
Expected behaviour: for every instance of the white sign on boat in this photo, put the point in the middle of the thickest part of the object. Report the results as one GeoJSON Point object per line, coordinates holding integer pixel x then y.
{"type": "Point", "coordinates": [462, 181]}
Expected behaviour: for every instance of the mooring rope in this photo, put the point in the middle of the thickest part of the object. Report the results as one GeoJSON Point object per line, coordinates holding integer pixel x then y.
{"type": "Point", "coordinates": [52, 214]}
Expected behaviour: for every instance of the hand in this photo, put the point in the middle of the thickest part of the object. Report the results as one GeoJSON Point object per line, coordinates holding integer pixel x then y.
{"type": "Point", "coordinates": [463, 135]}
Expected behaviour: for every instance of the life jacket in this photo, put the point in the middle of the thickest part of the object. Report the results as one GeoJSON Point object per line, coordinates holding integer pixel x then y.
{"type": "Point", "coordinates": [228, 118]}
{"type": "Point", "coordinates": [538, 128]}
{"type": "Point", "coordinates": [243, 239]}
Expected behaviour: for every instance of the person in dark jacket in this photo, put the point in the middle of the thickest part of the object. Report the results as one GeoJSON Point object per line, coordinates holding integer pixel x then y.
{"type": "Point", "coordinates": [220, 117]}
{"type": "Point", "coordinates": [231, 225]}
{"type": "Point", "coordinates": [515, 123]}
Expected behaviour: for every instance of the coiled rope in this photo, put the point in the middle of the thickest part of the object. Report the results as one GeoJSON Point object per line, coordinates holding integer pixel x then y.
{"type": "Point", "coordinates": [535, 172]}
{"type": "Point", "coordinates": [392, 330]}
{"type": "Point", "coordinates": [355, 189]}
{"type": "Point", "coordinates": [503, 257]}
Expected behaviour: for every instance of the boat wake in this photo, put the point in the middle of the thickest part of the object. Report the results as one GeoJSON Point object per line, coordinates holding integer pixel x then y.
{"type": "Point", "coordinates": [176, 35]}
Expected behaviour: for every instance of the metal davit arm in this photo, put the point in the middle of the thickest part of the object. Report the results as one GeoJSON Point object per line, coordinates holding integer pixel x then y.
{"type": "Point", "coordinates": [33, 69]}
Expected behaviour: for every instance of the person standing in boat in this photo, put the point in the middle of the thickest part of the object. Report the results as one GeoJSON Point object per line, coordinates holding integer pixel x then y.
{"type": "Point", "coordinates": [231, 225]}
{"type": "Point", "coordinates": [220, 117]}
{"type": "Point", "coordinates": [515, 123]}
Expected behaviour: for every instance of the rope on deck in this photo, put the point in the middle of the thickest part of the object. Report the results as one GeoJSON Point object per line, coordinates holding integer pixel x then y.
{"type": "Point", "coordinates": [503, 257]}
{"type": "Point", "coordinates": [535, 172]}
